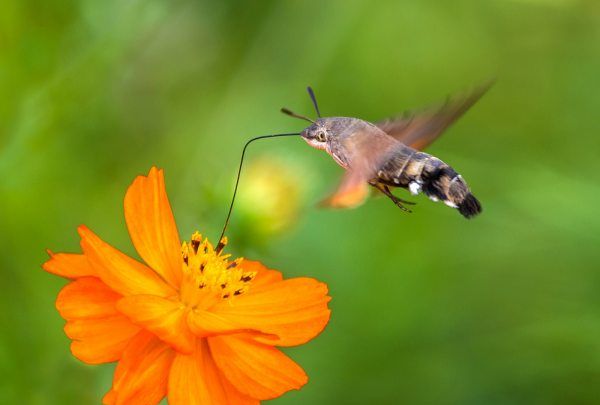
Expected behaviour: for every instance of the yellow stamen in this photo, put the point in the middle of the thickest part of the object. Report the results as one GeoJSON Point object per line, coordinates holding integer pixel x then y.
{"type": "Point", "coordinates": [209, 275]}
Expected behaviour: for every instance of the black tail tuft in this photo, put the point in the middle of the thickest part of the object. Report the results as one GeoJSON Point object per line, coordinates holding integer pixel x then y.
{"type": "Point", "coordinates": [469, 207]}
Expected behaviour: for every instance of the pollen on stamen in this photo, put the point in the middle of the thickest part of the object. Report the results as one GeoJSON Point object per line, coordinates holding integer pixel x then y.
{"type": "Point", "coordinates": [211, 272]}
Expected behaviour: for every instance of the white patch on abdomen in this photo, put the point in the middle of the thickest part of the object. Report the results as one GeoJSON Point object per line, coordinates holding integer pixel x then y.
{"type": "Point", "coordinates": [414, 187]}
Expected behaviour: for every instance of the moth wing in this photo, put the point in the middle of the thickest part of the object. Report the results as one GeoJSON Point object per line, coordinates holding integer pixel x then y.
{"type": "Point", "coordinates": [367, 149]}
{"type": "Point", "coordinates": [419, 129]}
{"type": "Point", "coordinates": [352, 192]}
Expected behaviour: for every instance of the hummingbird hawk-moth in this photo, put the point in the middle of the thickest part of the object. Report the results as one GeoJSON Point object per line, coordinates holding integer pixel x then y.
{"type": "Point", "coordinates": [389, 154]}
{"type": "Point", "coordinates": [386, 154]}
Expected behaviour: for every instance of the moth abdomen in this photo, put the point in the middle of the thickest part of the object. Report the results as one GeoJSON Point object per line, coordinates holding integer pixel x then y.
{"type": "Point", "coordinates": [403, 166]}
{"type": "Point", "coordinates": [421, 172]}
{"type": "Point", "coordinates": [470, 206]}
{"type": "Point", "coordinates": [442, 182]}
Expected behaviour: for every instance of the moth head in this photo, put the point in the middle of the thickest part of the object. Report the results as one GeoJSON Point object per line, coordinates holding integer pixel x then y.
{"type": "Point", "coordinates": [317, 135]}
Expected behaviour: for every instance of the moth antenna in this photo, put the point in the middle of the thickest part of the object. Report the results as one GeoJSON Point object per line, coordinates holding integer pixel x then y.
{"type": "Point", "coordinates": [221, 245]}
{"type": "Point", "coordinates": [311, 93]}
{"type": "Point", "coordinates": [293, 114]}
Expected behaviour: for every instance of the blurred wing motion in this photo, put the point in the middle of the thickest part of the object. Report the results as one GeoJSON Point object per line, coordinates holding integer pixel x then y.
{"type": "Point", "coordinates": [419, 129]}
{"type": "Point", "coordinates": [366, 150]}
{"type": "Point", "coordinates": [352, 191]}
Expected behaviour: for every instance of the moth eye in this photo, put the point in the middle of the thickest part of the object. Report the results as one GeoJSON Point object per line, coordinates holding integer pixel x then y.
{"type": "Point", "coordinates": [321, 136]}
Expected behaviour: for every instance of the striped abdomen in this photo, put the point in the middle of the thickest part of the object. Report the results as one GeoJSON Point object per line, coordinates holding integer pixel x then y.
{"type": "Point", "coordinates": [419, 171]}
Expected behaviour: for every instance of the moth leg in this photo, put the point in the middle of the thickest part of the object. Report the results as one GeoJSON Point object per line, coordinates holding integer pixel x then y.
{"type": "Point", "coordinates": [385, 190]}
{"type": "Point", "coordinates": [400, 199]}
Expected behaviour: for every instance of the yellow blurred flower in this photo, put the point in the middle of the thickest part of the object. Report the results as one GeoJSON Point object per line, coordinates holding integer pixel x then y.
{"type": "Point", "coordinates": [272, 194]}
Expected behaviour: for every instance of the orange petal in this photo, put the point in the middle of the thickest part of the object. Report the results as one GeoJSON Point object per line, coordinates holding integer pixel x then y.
{"type": "Point", "coordinates": [256, 370]}
{"type": "Point", "coordinates": [152, 226]}
{"type": "Point", "coordinates": [100, 340]}
{"type": "Point", "coordinates": [194, 379]}
{"type": "Point", "coordinates": [119, 271]}
{"type": "Point", "coordinates": [167, 319]}
{"type": "Point", "coordinates": [87, 297]}
{"type": "Point", "coordinates": [234, 396]}
{"type": "Point", "coordinates": [69, 265]}
{"type": "Point", "coordinates": [205, 323]}
{"type": "Point", "coordinates": [264, 275]}
{"type": "Point", "coordinates": [99, 332]}
{"type": "Point", "coordinates": [142, 373]}
{"type": "Point", "coordinates": [110, 398]}
{"type": "Point", "coordinates": [295, 310]}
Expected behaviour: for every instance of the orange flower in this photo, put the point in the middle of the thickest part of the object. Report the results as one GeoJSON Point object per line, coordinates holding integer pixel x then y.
{"type": "Point", "coordinates": [190, 324]}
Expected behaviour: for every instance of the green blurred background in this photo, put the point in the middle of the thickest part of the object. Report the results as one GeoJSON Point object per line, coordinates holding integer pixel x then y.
{"type": "Point", "coordinates": [428, 308]}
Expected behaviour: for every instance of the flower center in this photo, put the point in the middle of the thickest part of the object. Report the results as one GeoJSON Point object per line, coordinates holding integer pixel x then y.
{"type": "Point", "coordinates": [209, 276]}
